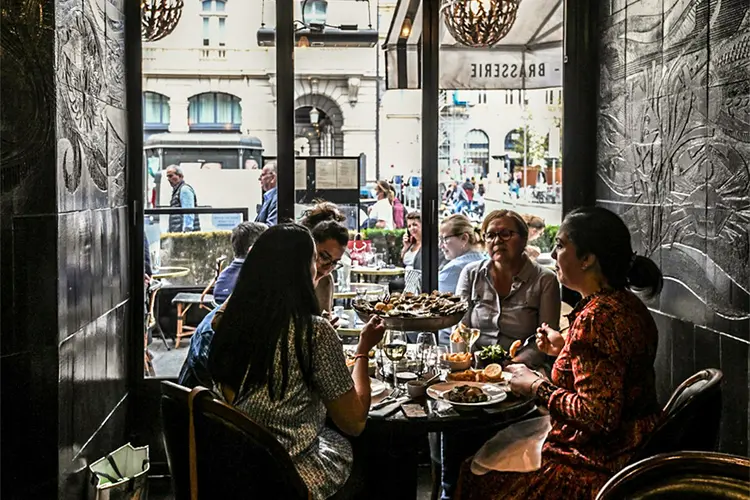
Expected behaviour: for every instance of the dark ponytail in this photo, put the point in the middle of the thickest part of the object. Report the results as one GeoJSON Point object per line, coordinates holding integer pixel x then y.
{"type": "Point", "coordinates": [644, 276]}
{"type": "Point", "coordinates": [599, 232]}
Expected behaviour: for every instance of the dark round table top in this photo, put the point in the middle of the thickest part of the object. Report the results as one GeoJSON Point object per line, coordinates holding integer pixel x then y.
{"type": "Point", "coordinates": [513, 408]}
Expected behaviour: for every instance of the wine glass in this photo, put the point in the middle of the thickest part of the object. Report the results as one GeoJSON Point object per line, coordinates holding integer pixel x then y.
{"type": "Point", "coordinates": [444, 366]}
{"type": "Point", "coordinates": [470, 336]}
{"type": "Point", "coordinates": [425, 346]}
{"type": "Point", "coordinates": [395, 349]}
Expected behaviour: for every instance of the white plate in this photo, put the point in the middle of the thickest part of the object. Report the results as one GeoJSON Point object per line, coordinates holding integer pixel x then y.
{"type": "Point", "coordinates": [493, 391]}
{"type": "Point", "coordinates": [406, 376]}
{"type": "Point", "coordinates": [377, 387]}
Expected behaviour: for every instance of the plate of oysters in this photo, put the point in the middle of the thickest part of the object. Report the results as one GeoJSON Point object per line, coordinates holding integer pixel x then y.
{"type": "Point", "coordinates": [415, 312]}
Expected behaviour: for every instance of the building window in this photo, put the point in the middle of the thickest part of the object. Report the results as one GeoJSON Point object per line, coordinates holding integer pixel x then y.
{"type": "Point", "coordinates": [155, 112]}
{"type": "Point", "coordinates": [214, 111]}
{"type": "Point", "coordinates": [509, 97]}
{"type": "Point", "coordinates": [482, 97]}
{"type": "Point", "coordinates": [213, 13]}
{"type": "Point", "coordinates": [477, 153]}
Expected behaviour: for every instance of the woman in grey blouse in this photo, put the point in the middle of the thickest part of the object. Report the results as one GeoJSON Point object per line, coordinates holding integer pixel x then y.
{"type": "Point", "coordinates": [274, 358]}
{"type": "Point", "coordinates": [509, 295]}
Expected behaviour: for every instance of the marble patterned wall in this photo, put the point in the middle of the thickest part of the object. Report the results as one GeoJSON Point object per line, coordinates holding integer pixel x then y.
{"type": "Point", "coordinates": [64, 231]}
{"type": "Point", "coordinates": [674, 162]}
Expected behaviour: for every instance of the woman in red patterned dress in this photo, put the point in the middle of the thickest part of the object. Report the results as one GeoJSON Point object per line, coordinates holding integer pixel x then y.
{"type": "Point", "coordinates": [601, 396]}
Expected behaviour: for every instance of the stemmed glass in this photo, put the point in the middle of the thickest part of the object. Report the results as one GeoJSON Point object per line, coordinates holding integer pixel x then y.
{"type": "Point", "coordinates": [444, 365]}
{"type": "Point", "coordinates": [426, 344]}
{"type": "Point", "coordinates": [394, 346]}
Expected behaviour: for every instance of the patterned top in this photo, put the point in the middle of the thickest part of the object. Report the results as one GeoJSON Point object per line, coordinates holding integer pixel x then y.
{"type": "Point", "coordinates": [323, 457]}
{"type": "Point", "coordinates": [603, 401]}
{"type": "Point", "coordinates": [534, 299]}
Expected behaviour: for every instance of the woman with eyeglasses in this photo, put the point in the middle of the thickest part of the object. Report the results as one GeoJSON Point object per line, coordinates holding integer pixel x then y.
{"type": "Point", "coordinates": [509, 295]}
{"type": "Point", "coordinates": [324, 221]}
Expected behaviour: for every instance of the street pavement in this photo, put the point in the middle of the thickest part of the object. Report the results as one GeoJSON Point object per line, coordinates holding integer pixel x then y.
{"type": "Point", "coordinates": [496, 200]}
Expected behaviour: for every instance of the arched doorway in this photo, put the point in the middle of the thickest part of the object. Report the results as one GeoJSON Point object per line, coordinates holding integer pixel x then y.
{"type": "Point", "coordinates": [319, 120]}
{"type": "Point", "coordinates": [477, 153]}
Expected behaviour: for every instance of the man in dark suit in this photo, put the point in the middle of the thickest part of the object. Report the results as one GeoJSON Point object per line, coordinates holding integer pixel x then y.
{"type": "Point", "coordinates": [268, 213]}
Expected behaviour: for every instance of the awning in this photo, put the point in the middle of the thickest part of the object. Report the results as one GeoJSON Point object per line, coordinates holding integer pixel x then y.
{"type": "Point", "coordinates": [529, 57]}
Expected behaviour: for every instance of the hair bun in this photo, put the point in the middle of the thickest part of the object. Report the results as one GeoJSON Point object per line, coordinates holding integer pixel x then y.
{"type": "Point", "coordinates": [321, 212]}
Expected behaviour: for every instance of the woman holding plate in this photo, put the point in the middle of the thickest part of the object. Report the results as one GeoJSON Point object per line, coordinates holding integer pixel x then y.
{"type": "Point", "coordinates": [601, 396]}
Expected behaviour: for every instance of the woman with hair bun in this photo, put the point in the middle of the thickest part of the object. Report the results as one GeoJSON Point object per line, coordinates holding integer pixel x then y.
{"type": "Point", "coordinates": [601, 395]}
{"type": "Point", "coordinates": [324, 221]}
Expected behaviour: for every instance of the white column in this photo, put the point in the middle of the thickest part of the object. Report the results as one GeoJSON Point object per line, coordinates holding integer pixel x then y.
{"type": "Point", "coordinates": [178, 116]}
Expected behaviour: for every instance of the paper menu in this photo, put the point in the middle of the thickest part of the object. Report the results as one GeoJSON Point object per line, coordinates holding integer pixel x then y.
{"type": "Point", "coordinates": [300, 174]}
{"type": "Point", "coordinates": [325, 174]}
{"type": "Point", "coordinates": [346, 174]}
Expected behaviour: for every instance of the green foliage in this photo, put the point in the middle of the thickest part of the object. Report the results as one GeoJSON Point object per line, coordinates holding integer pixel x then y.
{"type": "Point", "coordinates": [388, 242]}
{"type": "Point", "coordinates": [198, 252]}
{"type": "Point", "coordinates": [546, 241]}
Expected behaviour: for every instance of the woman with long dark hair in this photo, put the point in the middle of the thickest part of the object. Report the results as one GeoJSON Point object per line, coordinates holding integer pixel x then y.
{"type": "Point", "coordinates": [602, 395]}
{"type": "Point", "coordinates": [275, 359]}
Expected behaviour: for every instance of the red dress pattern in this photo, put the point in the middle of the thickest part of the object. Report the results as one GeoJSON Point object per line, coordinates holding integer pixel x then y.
{"type": "Point", "coordinates": [602, 402]}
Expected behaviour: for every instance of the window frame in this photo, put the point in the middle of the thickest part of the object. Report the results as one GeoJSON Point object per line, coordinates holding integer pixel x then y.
{"type": "Point", "coordinates": [235, 123]}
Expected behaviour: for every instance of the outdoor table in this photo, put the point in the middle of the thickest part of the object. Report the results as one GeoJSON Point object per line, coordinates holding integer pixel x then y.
{"type": "Point", "coordinates": [165, 272]}
{"type": "Point", "coordinates": [373, 273]}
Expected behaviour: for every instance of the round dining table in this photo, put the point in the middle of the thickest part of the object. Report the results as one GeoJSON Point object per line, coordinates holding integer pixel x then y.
{"type": "Point", "coordinates": [393, 441]}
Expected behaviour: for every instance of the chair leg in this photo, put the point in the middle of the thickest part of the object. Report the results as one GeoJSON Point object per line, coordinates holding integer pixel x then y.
{"type": "Point", "coordinates": [180, 322]}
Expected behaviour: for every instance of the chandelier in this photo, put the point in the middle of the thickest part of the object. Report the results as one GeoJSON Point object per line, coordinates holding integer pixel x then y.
{"type": "Point", "coordinates": [159, 18]}
{"type": "Point", "coordinates": [479, 23]}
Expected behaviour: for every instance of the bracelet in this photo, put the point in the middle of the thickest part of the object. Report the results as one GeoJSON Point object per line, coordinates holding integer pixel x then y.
{"type": "Point", "coordinates": [534, 389]}
{"type": "Point", "coordinates": [358, 356]}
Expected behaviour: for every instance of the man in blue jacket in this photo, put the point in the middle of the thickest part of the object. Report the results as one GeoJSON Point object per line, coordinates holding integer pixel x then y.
{"type": "Point", "coordinates": [244, 236]}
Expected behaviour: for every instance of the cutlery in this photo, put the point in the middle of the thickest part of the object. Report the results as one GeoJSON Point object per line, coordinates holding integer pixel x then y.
{"type": "Point", "coordinates": [533, 338]}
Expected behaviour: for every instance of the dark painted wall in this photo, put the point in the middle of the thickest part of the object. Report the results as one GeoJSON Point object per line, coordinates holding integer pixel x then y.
{"type": "Point", "coordinates": [64, 242]}
{"type": "Point", "coordinates": [674, 162]}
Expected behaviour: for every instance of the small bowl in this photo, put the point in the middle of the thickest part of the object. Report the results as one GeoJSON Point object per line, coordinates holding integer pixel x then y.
{"type": "Point", "coordinates": [459, 366]}
{"type": "Point", "coordinates": [415, 388]}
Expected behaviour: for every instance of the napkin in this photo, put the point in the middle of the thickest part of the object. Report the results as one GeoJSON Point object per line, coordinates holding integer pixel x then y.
{"type": "Point", "coordinates": [388, 409]}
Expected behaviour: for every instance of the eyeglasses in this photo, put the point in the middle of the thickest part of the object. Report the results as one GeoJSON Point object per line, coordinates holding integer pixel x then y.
{"type": "Point", "coordinates": [502, 235]}
{"type": "Point", "coordinates": [444, 240]}
{"type": "Point", "coordinates": [327, 261]}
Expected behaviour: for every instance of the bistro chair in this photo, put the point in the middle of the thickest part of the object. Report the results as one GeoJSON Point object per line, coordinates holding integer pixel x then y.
{"type": "Point", "coordinates": [690, 419]}
{"type": "Point", "coordinates": [687, 474]}
{"type": "Point", "coordinates": [185, 300]}
{"type": "Point", "coordinates": [232, 456]}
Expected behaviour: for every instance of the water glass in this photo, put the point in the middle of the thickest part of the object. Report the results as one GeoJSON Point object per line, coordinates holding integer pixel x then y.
{"type": "Point", "coordinates": [426, 344]}
{"type": "Point", "coordinates": [444, 365]}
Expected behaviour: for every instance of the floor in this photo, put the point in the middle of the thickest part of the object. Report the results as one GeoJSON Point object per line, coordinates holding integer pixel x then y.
{"type": "Point", "coordinates": [167, 364]}
{"type": "Point", "coordinates": [424, 487]}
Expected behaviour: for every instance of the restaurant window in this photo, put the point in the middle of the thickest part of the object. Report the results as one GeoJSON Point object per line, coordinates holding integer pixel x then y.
{"type": "Point", "coordinates": [214, 111]}
{"type": "Point", "coordinates": [155, 112]}
{"type": "Point", "coordinates": [477, 153]}
{"type": "Point", "coordinates": [214, 23]}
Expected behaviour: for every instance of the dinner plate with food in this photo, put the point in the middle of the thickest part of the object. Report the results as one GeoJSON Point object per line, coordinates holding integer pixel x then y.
{"type": "Point", "coordinates": [467, 394]}
{"type": "Point", "coordinates": [491, 373]}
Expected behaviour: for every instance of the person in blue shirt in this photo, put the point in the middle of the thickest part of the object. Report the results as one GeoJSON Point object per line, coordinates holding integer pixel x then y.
{"type": "Point", "coordinates": [183, 196]}
{"type": "Point", "coordinates": [461, 242]}
{"type": "Point", "coordinates": [194, 370]}
{"type": "Point", "coordinates": [243, 238]}
{"type": "Point", "coordinates": [268, 212]}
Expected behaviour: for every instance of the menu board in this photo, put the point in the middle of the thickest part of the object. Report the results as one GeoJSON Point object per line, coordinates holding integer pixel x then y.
{"type": "Point", "coordinates": [300, 174]}
{"type": "Point", "coordinates": [346, 174]}
{"type": "Point", "coordinates": [325, 174]}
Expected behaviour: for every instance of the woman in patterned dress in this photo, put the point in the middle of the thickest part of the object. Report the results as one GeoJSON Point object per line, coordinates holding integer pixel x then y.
{"type": "Point", "coordinates": [602, 395]}
{"type": "Point", "coordinates": [274, 358]}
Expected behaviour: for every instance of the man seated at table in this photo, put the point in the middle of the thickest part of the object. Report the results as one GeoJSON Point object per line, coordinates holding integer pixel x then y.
{"type": "Point", "coordinates": [243, 238]}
